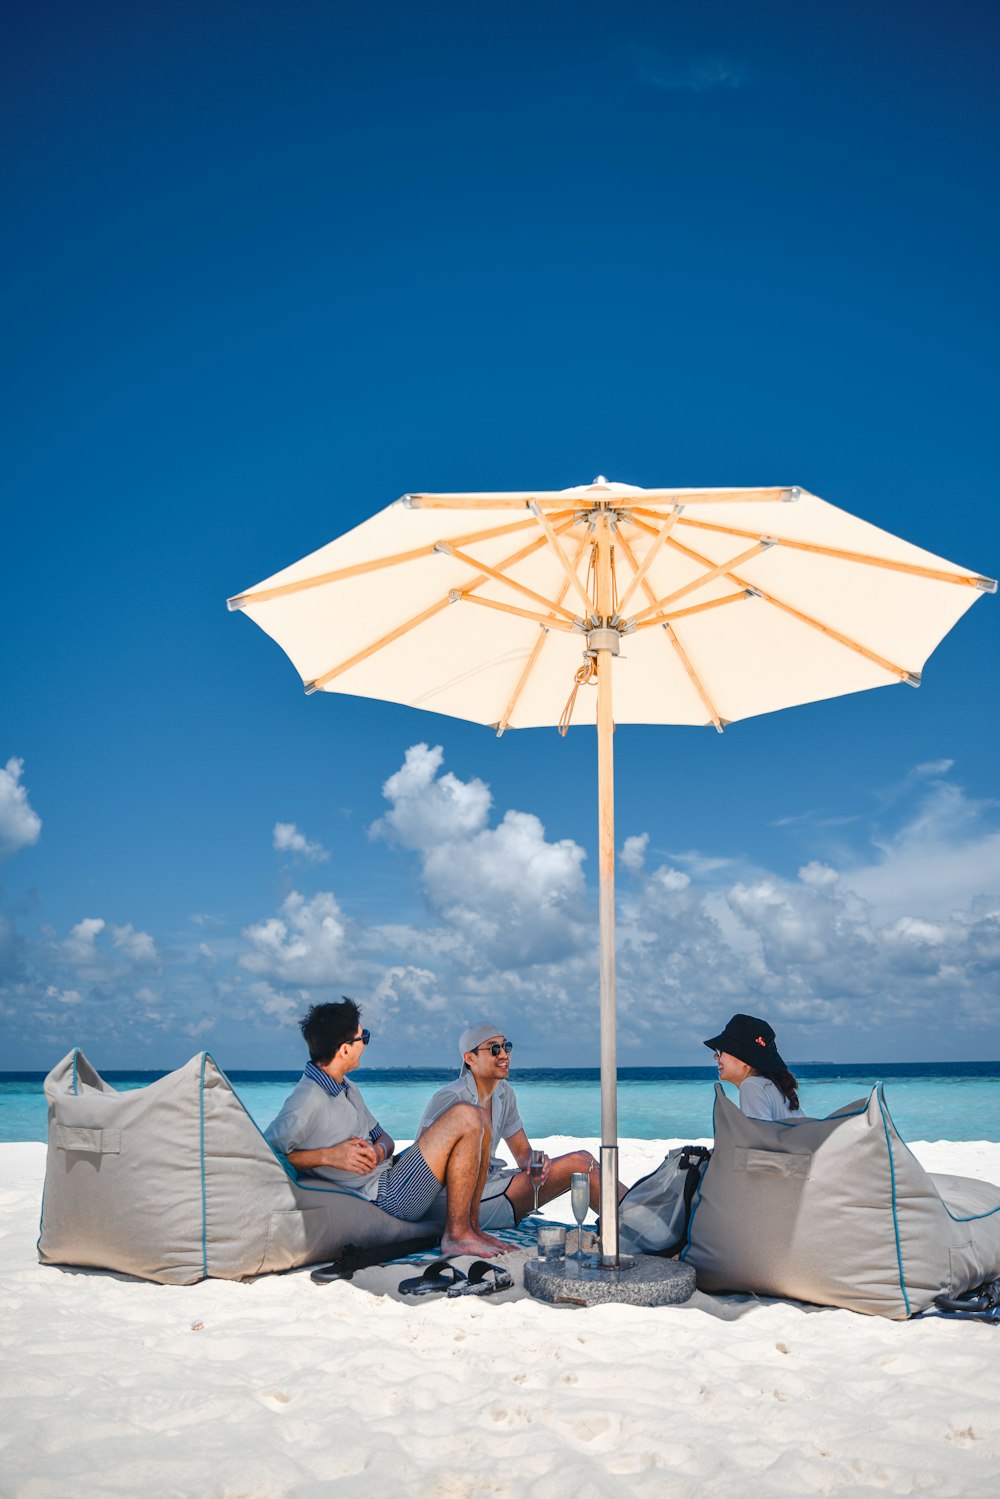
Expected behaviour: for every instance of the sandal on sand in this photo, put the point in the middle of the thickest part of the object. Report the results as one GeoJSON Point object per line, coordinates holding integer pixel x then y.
{"type": "Point", "coordinates": [483, 1279]}
{"type": "Point", "coordinates": [440, 1275]}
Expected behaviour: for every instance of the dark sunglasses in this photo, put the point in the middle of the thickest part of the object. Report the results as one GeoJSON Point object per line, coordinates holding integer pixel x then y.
{"type": "Point", "coordinates": [496, 1047]}
{"type": "Point", "coordinates": [364, 1038]}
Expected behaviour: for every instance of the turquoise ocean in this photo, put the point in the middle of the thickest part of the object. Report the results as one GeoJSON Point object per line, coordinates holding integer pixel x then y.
{"type": "Point", "coordinates": [927, 1100]}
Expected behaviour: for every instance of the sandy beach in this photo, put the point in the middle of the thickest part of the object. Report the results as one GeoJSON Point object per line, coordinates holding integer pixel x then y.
{"type": "Point", "coordinates": [280, 1387]}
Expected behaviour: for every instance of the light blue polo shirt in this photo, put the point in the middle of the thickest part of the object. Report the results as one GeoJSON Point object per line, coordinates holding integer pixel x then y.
{"type": "Point", "coordinates": [318, 1112]}
{"type": "Point", "coordinates": [505, 1118]}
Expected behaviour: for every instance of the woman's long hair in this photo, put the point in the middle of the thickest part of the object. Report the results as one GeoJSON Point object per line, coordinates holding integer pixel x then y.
{"type": "Point", "coordinates": [785, 1084]}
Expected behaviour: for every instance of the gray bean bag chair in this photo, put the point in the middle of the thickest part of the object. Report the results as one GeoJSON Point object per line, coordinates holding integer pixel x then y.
{"type": "Point", "coordinates": [837, 1211]}
{"type": "Point", "coordinates": [175, 1182]}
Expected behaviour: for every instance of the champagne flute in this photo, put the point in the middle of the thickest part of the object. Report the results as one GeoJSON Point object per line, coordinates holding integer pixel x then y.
{"type": "Point", "coordinates": [536, 1165]}
{"type": "Point", "coordinates": [579, 1196]}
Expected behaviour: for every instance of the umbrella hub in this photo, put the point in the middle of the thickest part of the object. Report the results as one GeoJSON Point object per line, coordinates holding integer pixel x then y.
{"type": "Point", "coordinates": [603, 640]}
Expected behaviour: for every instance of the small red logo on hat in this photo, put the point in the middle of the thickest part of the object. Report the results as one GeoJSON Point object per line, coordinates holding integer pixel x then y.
{"type": "Point", "coordinates": [760, 1041]}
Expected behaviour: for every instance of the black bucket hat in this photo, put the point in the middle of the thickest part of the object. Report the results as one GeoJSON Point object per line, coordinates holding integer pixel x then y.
{"type": "Point", "coordinates": [749, 1040]}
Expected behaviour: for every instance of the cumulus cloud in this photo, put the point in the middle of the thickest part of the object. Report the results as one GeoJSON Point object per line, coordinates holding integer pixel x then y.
{"type": "Point", "coordinates": [878, 942]}
{"type": "Point", "coordinates": [138, 947]}
{"type": "Point", "coordinates": [517, 897]}
{"type": "Point", "coordinates": [305, 944]}
{"type": "Point", "coordinates": [633, 854]}
{"type": "Point", "coordinates": [289, 840]}
{"type": "Point", "coordinates": [20, 824]}
{"type": "Point", "coordinates": [428, 809]}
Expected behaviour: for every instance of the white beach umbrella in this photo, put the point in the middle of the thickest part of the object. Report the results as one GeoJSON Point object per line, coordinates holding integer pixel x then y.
{"type": "Point", "coordinates": [705, 606]}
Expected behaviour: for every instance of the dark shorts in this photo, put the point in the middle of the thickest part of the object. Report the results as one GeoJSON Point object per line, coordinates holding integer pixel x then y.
{"type": "Point", "coordinates": [408, 1188]}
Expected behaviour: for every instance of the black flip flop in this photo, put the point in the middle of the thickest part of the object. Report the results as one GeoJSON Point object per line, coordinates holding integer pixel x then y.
{"type": "Point", "coordinates": [440, 1275]}
{"type": "Point", "coordinates": [483, 1279]}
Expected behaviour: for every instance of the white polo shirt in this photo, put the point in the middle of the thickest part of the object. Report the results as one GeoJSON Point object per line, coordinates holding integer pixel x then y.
{"type": "Point", "coordinates": [504, 1117]}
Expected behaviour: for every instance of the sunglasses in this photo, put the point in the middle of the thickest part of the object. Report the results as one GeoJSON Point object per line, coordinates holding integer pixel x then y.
{"type": "Point", "coordinates": [496, 1047]}
{"type": "Point", "coordinates": [364, 1037]}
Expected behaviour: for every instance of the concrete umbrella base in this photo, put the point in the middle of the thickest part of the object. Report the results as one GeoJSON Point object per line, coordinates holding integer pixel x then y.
{"type": "Point", "coordinates": [641, 1280]}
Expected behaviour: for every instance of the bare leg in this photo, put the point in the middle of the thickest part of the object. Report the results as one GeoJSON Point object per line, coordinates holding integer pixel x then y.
{"type": "Point", "coordinates": [453, 1148]}
{"type": "Point", "coordinates": [484, 1168]}
{"type": "Point", "coordinates": [561, 1169]}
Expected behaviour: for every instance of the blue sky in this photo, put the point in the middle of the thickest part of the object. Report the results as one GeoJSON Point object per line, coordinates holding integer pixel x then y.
{"type": "Point", "coordinates": [269, 266]}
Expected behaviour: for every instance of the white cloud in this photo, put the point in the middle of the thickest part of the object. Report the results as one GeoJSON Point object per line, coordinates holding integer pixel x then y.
{"type": "Point", "coordinates": [64, 996]}
{"type": "Point", "coordinates": [81, 944]}
{"type": "Point", "coordinates": [138, 947]}
{"type": "Point", "coordinates": [882, 942]}
{"type": "Point", "coordinates": [306, 944]}
{"type": "Point", "coordinates": [289, 840]}
{"type": "Point", "coordinates": [20, 824]}
{"type": "Point", "coordinates": [939, 861]}
{"type": "Point", "coordinates": [633, 854]}
{"type": "Point", "coordinates": [428, 809]}
{"type": "Point", "coordinates": [519, 898]}
{"type": "Point", "coordinates": [933, 768]}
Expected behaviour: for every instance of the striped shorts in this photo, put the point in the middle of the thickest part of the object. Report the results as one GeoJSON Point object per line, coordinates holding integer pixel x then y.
{"type": "Point", "coordinates": [408, 1188]}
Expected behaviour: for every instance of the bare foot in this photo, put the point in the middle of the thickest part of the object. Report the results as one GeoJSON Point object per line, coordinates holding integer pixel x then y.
{"type": "Point", "coordinates": [470, 1243]}
{"type": "Point", "coordinates": [492, 1239]}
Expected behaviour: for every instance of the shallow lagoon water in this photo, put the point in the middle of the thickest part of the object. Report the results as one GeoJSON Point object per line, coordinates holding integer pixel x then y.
{"type": "Point", "coordinates": [928, 1101]}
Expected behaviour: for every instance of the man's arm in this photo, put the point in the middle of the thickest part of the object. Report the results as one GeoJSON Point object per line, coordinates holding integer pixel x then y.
{"type": "Point", "coordinates": [520, 1149]}
{"type": "Point", "coordinates": [354, 1155]}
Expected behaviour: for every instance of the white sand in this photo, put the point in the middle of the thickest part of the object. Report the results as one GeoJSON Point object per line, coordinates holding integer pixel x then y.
{"type": "Point", "coordinates": [283, 1387]}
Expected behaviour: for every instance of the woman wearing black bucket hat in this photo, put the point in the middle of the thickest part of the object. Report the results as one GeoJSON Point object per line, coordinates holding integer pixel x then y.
{"type": "Point", "coordinates": [747, 1055]}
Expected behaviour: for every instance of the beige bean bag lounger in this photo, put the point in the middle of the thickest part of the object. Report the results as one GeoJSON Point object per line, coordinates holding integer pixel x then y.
{"type": "Point", "coordinates": [174, 1182]}
{"type": "Point", "coordinates": [837, 1211]}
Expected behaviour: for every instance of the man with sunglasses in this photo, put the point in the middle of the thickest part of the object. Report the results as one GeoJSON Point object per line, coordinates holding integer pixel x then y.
{"type": "Point", "coordinates": [326, 1128]}
{"type": "Point", "coordinates": [508, 1193]}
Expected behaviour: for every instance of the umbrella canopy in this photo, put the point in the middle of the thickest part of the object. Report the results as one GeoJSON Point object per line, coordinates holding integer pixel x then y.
{"type": "Point", "coordinates": [708, 605]}
{"type": "Point", "coordinates": [731, 602]}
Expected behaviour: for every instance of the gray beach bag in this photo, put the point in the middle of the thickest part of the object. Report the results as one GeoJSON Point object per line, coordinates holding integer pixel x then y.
{"type": "Point", "coordinates": [653, 1215]}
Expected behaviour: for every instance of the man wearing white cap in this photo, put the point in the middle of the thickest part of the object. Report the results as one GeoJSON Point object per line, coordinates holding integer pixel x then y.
{"type": "Point", "coordinates": [483, 1080]}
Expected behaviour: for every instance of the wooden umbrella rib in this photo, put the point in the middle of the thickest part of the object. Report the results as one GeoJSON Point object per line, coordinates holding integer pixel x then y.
{"type": "Point", "coordinates": [504, 720]}
{"type": "Point", "coordinates": [377, 645]}
{"type": "Point", "coordinates": [936, 575]}
{"type": "Point", "coordinates": [501, 577]}
{"type": "Point", "coordinates": [550, 621]}
{"type": "Point", "coordinates": [719, 570]}
{"type": "Point", "coordinates": [775, 496]}
{"type": "Point", "coordinates": [357, 569]}
{"type": "Point", "coordinates": [664, 619]}
{"type": "Point", "coordinates": [647, 562]}
{"type": "Point", "coordinates": [550, 501]}
{"type": "Point", "coordinates": [695, 679]}
{"type": "Point", "coordinates": [510, 529]}
{"type": "Point", "coordinates": [572, 578]}
{"type": "Point", "coordinates": [515, 557]}
{"type": "Point", "coordinates": [281, 590]}
{"type": "Point", "coordinates": [532, 661]}
{"type": "Point", "coordinates": [904, 674]}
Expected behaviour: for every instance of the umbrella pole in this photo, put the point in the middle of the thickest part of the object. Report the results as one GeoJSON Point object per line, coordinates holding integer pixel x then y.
{"type": "Point", "coordinates": [603, 643]}
{"type": "Point", "coordinates": [609, 1058]}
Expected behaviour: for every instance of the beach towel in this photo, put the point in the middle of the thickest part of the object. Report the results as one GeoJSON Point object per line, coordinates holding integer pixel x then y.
{"type": "Point", "coordinates": [175, 1182]}
{"type": "Point", "coordinates": [837, 1211]}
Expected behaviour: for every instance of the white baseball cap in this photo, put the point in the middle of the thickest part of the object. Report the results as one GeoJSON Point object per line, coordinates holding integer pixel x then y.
{"type": "Point", "coordinates": [474, 1035]}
